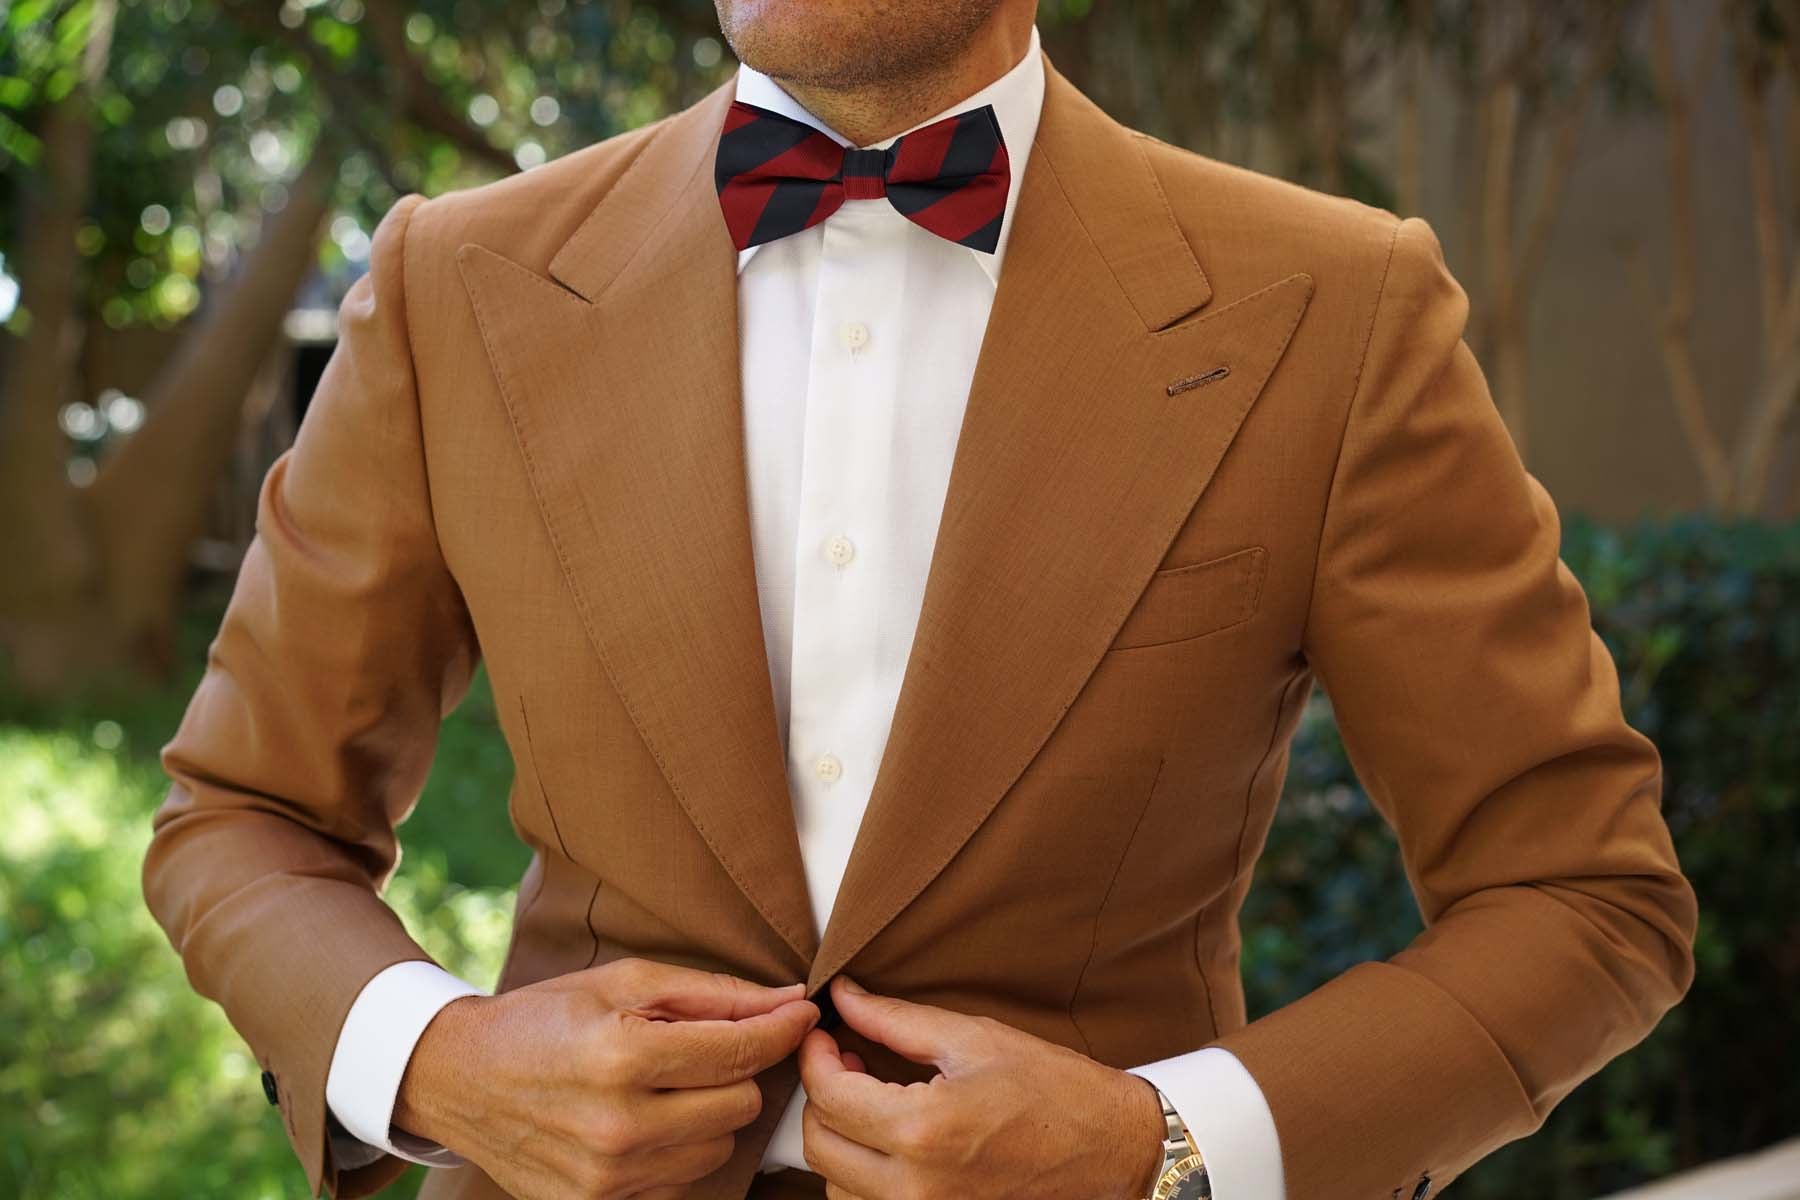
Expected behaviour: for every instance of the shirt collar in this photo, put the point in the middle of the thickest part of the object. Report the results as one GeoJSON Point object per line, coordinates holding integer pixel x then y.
{"type": "Point", "coordinates": [1017, 97]}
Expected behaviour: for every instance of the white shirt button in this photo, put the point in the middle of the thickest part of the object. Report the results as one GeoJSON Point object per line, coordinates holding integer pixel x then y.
{"type": "Point", "coordinates": [855, 335]}
{"type": "Point", "coordinates": [828, 768]}
{"type": "Point", "coordinates": [839, 551]}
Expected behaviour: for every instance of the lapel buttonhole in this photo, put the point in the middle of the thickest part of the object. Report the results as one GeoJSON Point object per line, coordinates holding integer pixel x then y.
{"type": "Point", "coordinates": [1194, 381]}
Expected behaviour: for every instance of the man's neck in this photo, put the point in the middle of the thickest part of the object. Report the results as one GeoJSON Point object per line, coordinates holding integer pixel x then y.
{"type": "Point", "coordinates": [869, 114]}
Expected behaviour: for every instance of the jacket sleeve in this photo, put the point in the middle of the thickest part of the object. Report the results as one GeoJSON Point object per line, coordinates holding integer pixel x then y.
{"type": "Point", "coordinates": [313, 728]}
{"type": "Point", "coordinates": [1482, 714]}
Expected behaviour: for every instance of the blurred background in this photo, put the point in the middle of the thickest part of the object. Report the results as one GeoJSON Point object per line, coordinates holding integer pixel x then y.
{"type": "Point", "coordinates": [189, 187]}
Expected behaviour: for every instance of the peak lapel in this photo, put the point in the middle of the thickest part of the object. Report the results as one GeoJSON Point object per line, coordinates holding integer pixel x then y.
{"type": "Point", "coordinates": [1075, 467]}
{"type": "Point", "coordinates": [621, 381]}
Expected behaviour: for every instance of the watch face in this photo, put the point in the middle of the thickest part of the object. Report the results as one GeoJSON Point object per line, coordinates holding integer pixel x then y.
{"type": "Point", "coordinates": [1186, 1180]}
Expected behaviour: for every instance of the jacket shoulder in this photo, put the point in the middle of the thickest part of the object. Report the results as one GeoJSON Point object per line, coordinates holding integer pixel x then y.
{"type": "Point", "coordinates": [1248, 228]}
{"type": "Point", "coordinates": [528, 216]}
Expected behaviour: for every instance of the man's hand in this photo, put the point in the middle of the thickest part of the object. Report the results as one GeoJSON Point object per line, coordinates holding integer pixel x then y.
{"type": "Point", "coordinates": [627, 1079]}
{"type": "Point", "coordinates": [1008, 1115]}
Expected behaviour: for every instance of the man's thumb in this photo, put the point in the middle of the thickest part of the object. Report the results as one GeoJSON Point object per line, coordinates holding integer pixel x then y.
{"type": "Point", "coordinates": [920, 1032]}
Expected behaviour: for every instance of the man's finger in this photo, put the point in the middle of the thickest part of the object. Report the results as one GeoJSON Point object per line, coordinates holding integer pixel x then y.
{"type": "Point", "coordinates": [934, 1036]}
{"type": "Point", "coordinates": [677, 1165]}
{"type": "Point", "coordinates": [851, 1167]}
{"type": "Point", "coordinates": [857, 1105]}
{"type": "Point", "coordinates": [699, 1114]}
{"type": "Point", "coordinates": [655, 989]}
{"type": "Point", "coordinates": [708, 1053]}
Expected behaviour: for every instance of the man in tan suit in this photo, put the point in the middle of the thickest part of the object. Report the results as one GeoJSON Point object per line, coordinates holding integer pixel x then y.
{"type": "Point", "coordinates": [903, 514]}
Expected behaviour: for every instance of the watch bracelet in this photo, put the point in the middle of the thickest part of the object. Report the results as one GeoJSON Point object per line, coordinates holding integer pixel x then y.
{"type": "Point", "coordinates": [1178, 1144]}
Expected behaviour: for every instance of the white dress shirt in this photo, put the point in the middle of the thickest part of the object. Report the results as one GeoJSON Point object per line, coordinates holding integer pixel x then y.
{"type": "Point", "coordinates": [858, 344]}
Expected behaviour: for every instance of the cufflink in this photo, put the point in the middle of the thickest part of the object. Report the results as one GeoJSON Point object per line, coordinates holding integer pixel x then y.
{"type": "Point", "coordinates": [268, 1082]}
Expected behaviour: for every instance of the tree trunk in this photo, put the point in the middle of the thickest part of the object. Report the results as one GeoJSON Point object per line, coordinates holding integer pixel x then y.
{"type": "Point", "coordinates": [48, 587]}
{"type": "Point", "coordinates": [1677, 324]}
{"type": "Point", "coordinates": [1772, 405]}
{"type": "Point", "coordinates": [1506, 323]}
{"type": "Point", "coordinates": [1412, 77]}
{"type": "Point", "coordinates": [97, 581]}
{"type": "Point", "coordinates": [1331, 26]}
{"type": "Point", "coordinates": [149, 501]}
{"type": "Point", "coordinates": [1747, 479]}
{"type": "Point", "coordinates": [1770, 409]}
{"type": "Point", "coordinates": [419, 99]}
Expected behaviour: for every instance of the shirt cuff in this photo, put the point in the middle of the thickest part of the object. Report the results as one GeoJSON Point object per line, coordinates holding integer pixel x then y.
{"type": "Point", "coordinates": [384, 1024]}
{"type": "Point", "coordinates": [1229, 1119]}
{"type": "Point", "coordinates": [787, 1148]}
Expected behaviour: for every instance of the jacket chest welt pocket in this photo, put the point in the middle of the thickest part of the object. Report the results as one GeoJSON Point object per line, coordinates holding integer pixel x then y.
{"type": "Point", "coordinates": [1182, 603]}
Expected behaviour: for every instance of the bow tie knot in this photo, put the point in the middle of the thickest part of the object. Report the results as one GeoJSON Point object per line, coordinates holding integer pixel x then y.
{"type": "Point", "coordinates": [777, 176]}
{"type": "Point", "coordinates": [864, 174]}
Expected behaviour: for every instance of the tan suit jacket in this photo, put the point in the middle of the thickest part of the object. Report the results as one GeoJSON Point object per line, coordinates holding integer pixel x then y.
{"type": "Point", "coordinates": [1224, 440]}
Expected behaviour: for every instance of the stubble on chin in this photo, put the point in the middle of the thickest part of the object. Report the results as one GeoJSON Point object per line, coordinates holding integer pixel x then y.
{"type": "Point", "coordinates": [849, 46]}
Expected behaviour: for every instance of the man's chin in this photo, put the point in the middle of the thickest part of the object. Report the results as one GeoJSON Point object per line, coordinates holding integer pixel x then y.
{"type": "Point", "coordinates": [836, 46]}
{"type": "Point", "coordinates": [803, 56]}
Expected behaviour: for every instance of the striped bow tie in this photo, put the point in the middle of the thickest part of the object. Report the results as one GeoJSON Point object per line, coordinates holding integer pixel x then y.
{"type": "Point", "coordinates": [777, 176]}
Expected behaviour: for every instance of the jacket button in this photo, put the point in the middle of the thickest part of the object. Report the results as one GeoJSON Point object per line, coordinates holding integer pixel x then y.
{"type": "Point", "coordinates": [1424, 1188]}
{"type": "Point", "coordinates": [269, 1088]}
{"type": "Point", "coordinates": [828, 1013]}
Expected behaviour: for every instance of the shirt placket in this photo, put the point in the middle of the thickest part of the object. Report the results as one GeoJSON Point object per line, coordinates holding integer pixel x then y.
{"type": "Point", "coordinates": [843, 559]}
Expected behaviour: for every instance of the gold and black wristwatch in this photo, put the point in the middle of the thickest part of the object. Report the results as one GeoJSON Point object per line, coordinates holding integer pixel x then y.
{"type": "Point", "coordinates": [1183, 1174]}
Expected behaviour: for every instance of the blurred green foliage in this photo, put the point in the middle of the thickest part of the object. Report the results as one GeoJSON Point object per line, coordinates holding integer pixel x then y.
{"type": "Point", "coordinates": [116, 1081]}
{"type": "Point", "coordinates": [207, 109]}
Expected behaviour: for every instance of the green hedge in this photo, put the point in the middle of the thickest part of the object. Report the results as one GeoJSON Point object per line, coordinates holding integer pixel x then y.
{"type": "Point", "coordinates": [1703, 620]}
{"type": "Point", "coordinates": [116, 1081]}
